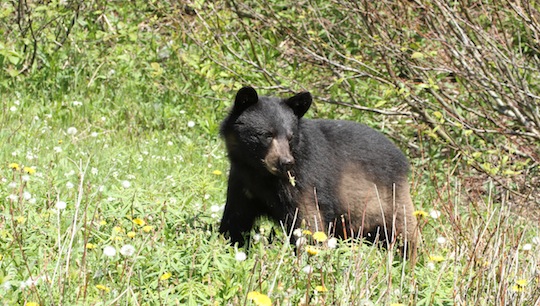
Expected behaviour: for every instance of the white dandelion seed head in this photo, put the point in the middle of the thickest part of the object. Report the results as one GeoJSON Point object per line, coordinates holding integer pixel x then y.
{"type": "Point", "coordinates": [69, 185]}
{"type": "Point", "coordinates": [13, 197]}
{"type": "Point", "coordinates": [215, 208]}
{"type": "Point", "coordinates": [307, 269]}
{"type": "Point", "coordinates": [300, 241]}
{"type": "Point", "coordinates": [435, 214]}
{"type": "Point", "coordinates": [13, 109]}
{"type": "Point", "coordinates": [77, 103]}
{"type": "Point", "coordinates": [60, 205]}
{"type": "Point", "coordinates": [441, 240]}
{"type": "Point", "coordinates": [240, 256]}
{"type": "Point", "coordinates": [109, 251]}
{"type": "Point", "coordinates": [94, 171]}
{"type": "Point", "coordinates": [126, 184]}
{"type": "Point", "coordinates": [256, 237]}
{"type": "Point", "coordinates": [297, 232]}
{"type": "Point", "coordinates": [332, 243]}
{"type": "Point", "coordinates": [430, 265]}
{"type": "Point", "coordinates": [127, 250]}
{"type": "Point", "coordinates": [94, 134]}
{"type": "Point", "coordinates": [527, 247]}
{"type": "Point", "coordinates": [57, 149]}
{"type": "Point", "coordinates": [27, 195]}
{"type": "Point", "coordinates": [191, 124]}
{"type": "Point", "coordinates": [32, 201]}
{"type": "Point", "coordinates": [170, 143]}
{"type": "Point", "coordinates": [72, 130]}
{"type": "Point", "coordinates": [25, 178]}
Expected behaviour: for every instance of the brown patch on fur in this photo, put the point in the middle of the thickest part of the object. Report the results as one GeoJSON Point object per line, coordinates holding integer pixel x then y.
{"type": "Point", "coordinates": [370, 207]}
{"type": "Point", "coordinates": [308, 211]}
{"type": "Point", "coordinates": [279, 150]}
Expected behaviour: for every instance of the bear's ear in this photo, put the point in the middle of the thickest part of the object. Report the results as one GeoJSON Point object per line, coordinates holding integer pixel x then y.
{"type": "Point", "coordinates": [245, 97]}
{"type": "Point", "coordinates": [300, 103]}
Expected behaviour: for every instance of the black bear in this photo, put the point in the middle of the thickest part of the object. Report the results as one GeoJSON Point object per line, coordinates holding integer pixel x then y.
{"type": "Point", "coordinates": [335, 176]}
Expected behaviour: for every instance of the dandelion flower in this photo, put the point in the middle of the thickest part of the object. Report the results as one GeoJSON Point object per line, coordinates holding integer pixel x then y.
{"type": "Point", "coordinates": [14, 166]}
{"type": "Point", "coordinates": [319, 236]}
{"type": "Point", "coordinates": [109, 251]}
{"type": "Point", "coordinates": [520, 285]}
{"type": "Point", "coordinates": [165, 276]}
{"type": "Point", "coordinates": [240, 256]}
{"type": "Point", "coordinates": [127, 250]}
{"type": "Point", "coordinates": [307, 232]}
{"type": "Point", "coordinates": [131, 234]}
{"type": "Point", "coordinates": [90, 246]}
{"type": "Point", "coordinates": [147, 228]}
{"type": "Point", "coordinates": [20, 219]}
{"type": "Point", "coordinates": [60, 205]}
{"type": "Point", "coordinates": [321, 289]}
{"type": "Point", "coordinates": [32, 304]}
{"type": "Point", "coordinates": [420, 214]}
{"type": "Point", "coordinates": [259, 299]}
{"type": "Point", "coordinates": [436, 258]}
{"type": "Point", "coordinates": [29, 170]}
{"type": "Point", "coordinates": [103, 288]}
{"type": "Point", "coordinates": [311, 250]}
{"type": "Point", "coordinates": [217, 172]}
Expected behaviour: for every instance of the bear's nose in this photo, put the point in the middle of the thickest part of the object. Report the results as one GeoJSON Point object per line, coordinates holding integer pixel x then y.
{"type": "Point", "coordinates": [286, 162]}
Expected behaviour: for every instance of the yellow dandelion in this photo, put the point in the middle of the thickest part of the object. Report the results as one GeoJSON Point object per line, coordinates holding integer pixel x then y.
{"type": "Point", "coordinates": [102, 222]}
{"type": "Point", "coordinates": [32, 304]}
{"type": "Point", "coordinates": [118, 238]}
{"type": "Point", "coordinates": [311, 250]}
{"type": "Point", "coordinates": [420, 214]}
{"type": "Point", "coordinates": [320, 236]}
{"type": "Point", "coordinates": [165, 276]}
{"type": "Point", "coordinates": [14, 166]}
{"type": "Point", "coordinates": [147, 228]}
{"type": "Point", "coordinates": [436, 258]}
{"type": "Point", "coordinates": [29, 170]}
{"type": "Point", "coordinates": [520, 285]}
{"type": "Point", "coordinates": [139, 221]}
{"type": "Point", "coordinates": [103, 288]}
{"type": "Point", "coordinates": [321, 289]}
{"type": "Point", "coordinates": [259, 299]}
{"type": "Point", "coordinates": [90, 246]}
{"type": "Point", "coordinates": [307, 232]}
{"type": "Point", "coordinates": [118, 229]}
{"type": "Point", "coordinates": [20, 219]}
{"type": "Point", "coordinates": [217, 172]}
{"type": "Point", "coordinates": [131, 234]}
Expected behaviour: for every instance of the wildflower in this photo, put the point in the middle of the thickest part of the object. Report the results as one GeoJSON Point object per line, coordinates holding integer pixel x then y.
{"type": "Point", "coordinates": [90, 246]}
{"type": "Point", "coordinates": [69, 185]}
{"type": "Point", "coordinates": [321, 289]}
{"type": "Point", "coordinates": [20, 219]}
{"type": "Point", "coordinates": [307, 232]}
{"type": "Point", "coordinates": [297, 232]}
{"type": "Point", "coordinates": [94, 171]}
{"type": "Point", "coordinates": [126, 184]}
{"type": "Point", "coordinates": [77, 103]}
{"type": "Point", "coordinates": [72, 131]}
{"type": "Point", "coordinates": [127, 250]}
{"type": "Point", "coordinates": [103, 288]}
{"type": "Point", "coordinates": [527, 247]}
{"type": "Point", "coordinates": [240, 256]}
{"type": "Point", "coordinates": [139, 221]}
{"type": "Point", "coordinates": [32, 304]}
{"type": "Point", "coordinates": [14, 166]}
{"type": "Point", "coordinates": [102, 222]}
{"type": "Point", "coordinates": [109, 251]}
{"type": "Point", "coordinates": [118, 229]}
{"type": "Point", "coordinates": [319, 236]}
{"type": "Point", "coordinates": [307, 269]}
{"type": "Point", "coordinates": [27, 195]}
{"type": "Point", "coordinates": [435, 214]}
{"type": "Point", "coordinates": [165, 276]}
{"type": "Point", "coordinates": [25, 178]}
{"type": "Point", "coordinates": [215, 208]}
{"type": "Point", "coordinates": [57, 149]}
{"type": "Point", "coordinates": [191, 124]}
{"type": "Point", "coordinates": [332, 243]}
{"type": "Point", "coordinates": [520, 285]}
{"type": "Point", "coordinates": [131, 234]}
{"type": "Point", "coordinates": [436, 258]}
{"type": "Point", "coordinates": [420, 214]}
{"type": "Point", "coordinates": [13, 109]}
{"type": "Point", "coordinates": [441, 240]}
{"type": "Point", "coordinates": [13, 197]}
{"type": "Point", "coordinates": [29, 170]}
{"type": "Point", "coordinates": [60, 205]}
{"type": "Point", "coordinates": [147, 228]}
{"type": "Point", "coordinates": [259, 299]}
{"type": "Point", "coordinates": [217, 172]}
{"type": "Point", "coordinates": [311, 250]}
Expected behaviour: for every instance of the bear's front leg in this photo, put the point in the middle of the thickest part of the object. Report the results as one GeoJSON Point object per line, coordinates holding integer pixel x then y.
{"type": "Point", "coordinates": [239, 214]}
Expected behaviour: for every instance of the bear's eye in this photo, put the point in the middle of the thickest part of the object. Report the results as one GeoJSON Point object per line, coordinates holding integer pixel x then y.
{"type": "Point", "coordinates": [268, 136]}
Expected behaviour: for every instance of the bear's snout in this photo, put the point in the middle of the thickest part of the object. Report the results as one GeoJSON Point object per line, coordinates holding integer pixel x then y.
{"type": "Point", "coordinates": [279, 159]}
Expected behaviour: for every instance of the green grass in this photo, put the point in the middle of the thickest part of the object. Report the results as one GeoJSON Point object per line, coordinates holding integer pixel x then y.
{"type": "Point", "coordinates": [146, 147]}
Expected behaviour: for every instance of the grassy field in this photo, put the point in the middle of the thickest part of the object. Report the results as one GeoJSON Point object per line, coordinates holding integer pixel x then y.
{"type": "Point", "coordinates": [113, 181]}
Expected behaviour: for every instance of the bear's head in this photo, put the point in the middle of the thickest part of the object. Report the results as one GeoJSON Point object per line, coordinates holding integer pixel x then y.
{"type": "Point", "coordinates": [262, 132]}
